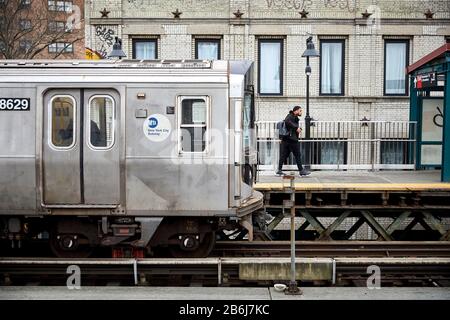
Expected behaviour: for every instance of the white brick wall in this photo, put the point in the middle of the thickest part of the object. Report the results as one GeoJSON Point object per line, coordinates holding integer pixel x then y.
{"type": "Point", "coordinates": [364, 45]}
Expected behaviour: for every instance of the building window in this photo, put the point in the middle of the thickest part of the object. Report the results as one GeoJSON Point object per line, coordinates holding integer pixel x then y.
{"type": "Point", "coordinates": [61, 6]}
{"type": "Point", "coordinates": [59, 47]}
{"type": "Point", "coordinates": [270, 66]}
{"type": "Point", "coordinates": [393, 152]}
{"type": "Point", "coordinates": [145, 49]}
{"type": "Point", "coordinates": [56, 26]}
{"type": "Point", "coordinates": [25, 45]}
{"type": "Point", "coordinates": [193, 124]}
{"type": "Point", "coordinates": [332, 67]}
{"type": "Point", "coordinates": [25, 24]}
{"type": "Point", "coordinates": [207, 49]}
{"type": "Point", "coordinates": [330, 152]}
{"type": "Point", "coordinates": [25, 3]}
{"type": "Point", "coordinates": [62, 121]}
{"type": "Point", "coordinates": [101, 122]}
{"type": "Point", "coordinates": [396, 59]}
{"type": "Point", "coordinates": [2, 47]}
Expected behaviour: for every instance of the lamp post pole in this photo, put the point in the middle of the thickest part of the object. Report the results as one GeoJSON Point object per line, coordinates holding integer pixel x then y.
{"type": "Point", "coordinates": [307, 119]}
{"type": "Point", "coordinates": [309, 52]}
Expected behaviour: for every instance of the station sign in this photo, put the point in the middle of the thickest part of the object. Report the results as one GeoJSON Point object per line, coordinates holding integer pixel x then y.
{"type": "Point", "coordinates": [426, 80]}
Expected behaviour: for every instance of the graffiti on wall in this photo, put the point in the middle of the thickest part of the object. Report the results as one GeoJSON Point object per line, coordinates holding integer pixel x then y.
{"type": "Point", "coordinates": [349, 5]}
{"type": "Point", "coordinates": [412, 6]}
{"type": "Point", "coordinates": [185, 4]}
{"type": "Point", "coordinates": [289, 4]}
{"type": "Point", "coordinates": [104, 39]}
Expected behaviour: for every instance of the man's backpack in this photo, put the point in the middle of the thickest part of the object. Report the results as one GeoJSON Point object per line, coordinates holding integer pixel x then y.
{"type": "Point", "coordinates": [283, 131]}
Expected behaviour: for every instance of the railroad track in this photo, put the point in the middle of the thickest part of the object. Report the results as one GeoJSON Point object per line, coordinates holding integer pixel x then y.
{"type": "Point", "coordinates": [402, 263]}
{"type": "Point", "coordinates": [333, 248]}
{"type": "Point", "coordinates": [350, 271]}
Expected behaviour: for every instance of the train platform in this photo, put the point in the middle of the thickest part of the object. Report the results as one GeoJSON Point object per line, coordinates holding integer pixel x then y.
{"type": "Point", "coordinates": [357, 180]}
{"type": "Point", "coordinates": [221, 293]}
{"type": "Point", "coordinates": [392, 203]}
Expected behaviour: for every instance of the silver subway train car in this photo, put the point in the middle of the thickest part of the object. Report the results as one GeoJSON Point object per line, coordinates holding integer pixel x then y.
{"type": "Point", "coordinates": [126, 154]}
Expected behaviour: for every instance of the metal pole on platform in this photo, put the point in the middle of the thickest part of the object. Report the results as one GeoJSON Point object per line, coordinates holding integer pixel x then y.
{"type": "Point", "coordinates": [309, 52]}
{"type": "Point", "coordinates": [292, 288]}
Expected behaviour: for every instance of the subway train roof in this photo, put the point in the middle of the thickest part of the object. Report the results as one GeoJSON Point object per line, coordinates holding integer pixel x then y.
{"type": "Point", "coordinates": [237, 67]}
{"type": "Point", "coordinates": [121, 71]}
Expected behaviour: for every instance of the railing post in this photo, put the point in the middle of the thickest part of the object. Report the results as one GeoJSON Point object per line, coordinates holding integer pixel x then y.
{"type": "Point", "coordinates": [372, 146]}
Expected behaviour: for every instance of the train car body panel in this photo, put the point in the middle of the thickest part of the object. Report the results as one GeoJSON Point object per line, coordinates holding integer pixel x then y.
{"type": "Point", "coordinates": [17, 150]}
{"type": "Point", "coordinates": [50, 162]}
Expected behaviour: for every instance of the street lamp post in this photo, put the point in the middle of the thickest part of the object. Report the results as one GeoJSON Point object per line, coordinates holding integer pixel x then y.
{"type": "Point", "coordinates": [309, 52]}
{"type": "Point", "coordinates": [117, 52]}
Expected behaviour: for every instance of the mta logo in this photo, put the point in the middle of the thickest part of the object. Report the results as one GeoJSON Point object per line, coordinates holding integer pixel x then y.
{"type": "Point", "coordinates": [152, 123]}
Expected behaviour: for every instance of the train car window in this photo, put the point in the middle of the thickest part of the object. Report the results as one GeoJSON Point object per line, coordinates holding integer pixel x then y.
{"type": "Point", "coordinates": [101, 122]}
{"type": "Point", "coordinates": [62, 121]}
{"type": "Point", "coordinates": [194, 116]}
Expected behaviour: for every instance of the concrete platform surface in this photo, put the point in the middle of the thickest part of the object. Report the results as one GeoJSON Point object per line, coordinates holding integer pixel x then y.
{"type": "Point", "coordinates": [360, 176]}
{"type": "Point", "coordinates": [222, 293]}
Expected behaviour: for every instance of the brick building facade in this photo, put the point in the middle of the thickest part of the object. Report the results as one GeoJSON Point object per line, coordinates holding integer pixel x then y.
{"type": "Point", "coordinates": [364, 46]}
{"type": "Point", "coordinates": [42, 29]}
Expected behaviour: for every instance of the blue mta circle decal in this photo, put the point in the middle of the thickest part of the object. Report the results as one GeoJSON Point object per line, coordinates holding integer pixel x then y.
{"type": "Point", "coordinates": [157, 127]}
{"type": "Point", "coordinates": [152, 122]}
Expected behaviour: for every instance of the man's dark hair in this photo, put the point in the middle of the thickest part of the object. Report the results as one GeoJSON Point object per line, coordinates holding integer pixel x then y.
{"type": "Point", "coordinates": [296, 108]}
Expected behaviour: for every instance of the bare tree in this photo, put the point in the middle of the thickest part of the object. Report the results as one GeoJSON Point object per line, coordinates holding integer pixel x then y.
{"type": "Point", "coordinates": [28, 27]}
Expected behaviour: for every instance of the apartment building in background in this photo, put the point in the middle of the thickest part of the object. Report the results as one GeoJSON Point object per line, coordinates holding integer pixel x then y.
{"type": "Point", "coordinates": [42, 29]}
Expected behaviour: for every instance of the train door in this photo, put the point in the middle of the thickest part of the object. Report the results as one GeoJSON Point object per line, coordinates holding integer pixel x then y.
{"type": "Point", "coordinates": [81, 147]}
{"type": "Point", "coordinates": [249, 139]}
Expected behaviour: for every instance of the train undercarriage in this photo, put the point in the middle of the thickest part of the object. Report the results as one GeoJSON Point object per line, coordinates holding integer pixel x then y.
{"type": "Point", "coordinates": [78, 237]}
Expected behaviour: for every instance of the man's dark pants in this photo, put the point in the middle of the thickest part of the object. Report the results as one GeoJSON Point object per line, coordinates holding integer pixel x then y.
{"type": "Point", "coordinates": [286, 147]}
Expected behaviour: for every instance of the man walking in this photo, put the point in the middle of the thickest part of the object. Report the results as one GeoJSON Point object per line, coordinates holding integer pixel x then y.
{"type": "Point", "coordinates": [290, 142]}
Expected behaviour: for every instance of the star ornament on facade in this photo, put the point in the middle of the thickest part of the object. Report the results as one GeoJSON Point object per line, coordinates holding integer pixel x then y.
{"type": "Point", "coordinates": [366, 14]}
{"type": "Point", "coordinates": [104, 13]}
{"type": "Point", "coordinates": [238, 14]}
{"type": "Point", "coordinates": [304, 14]}
{"type": "Point", "coordinates": [177, 13]}
{"type": "Point", "coordinates": [428, 14]}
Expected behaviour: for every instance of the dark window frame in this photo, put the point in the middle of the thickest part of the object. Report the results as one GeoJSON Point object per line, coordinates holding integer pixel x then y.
{"type": "Point", "coordinates": [342, 42]}
{"type": "Point", "coordinates": [186, 126]}
{"type": "Point", "coordinates": [25, 45]}
{"type": "Point", "coordinates": [66, 4]}
{"type": "Point", "coordinates": [25, 4]}
{"type": "Point", "coordinates": [59, 26]}
{"type": "Point", "coordinates": [216, 40]}
{"type": "Point", "coordinates": [25, 24]}
{"type": "Point", "coordinates": [281, 42]}
{"type": "Point", "coordinates": [51, 107]}
{"type": "Point", "coordinates": [317, 144]}
{"type": "Point", "coordinates": [406, 154]}
{"type": "Point", "coordinates": [64, 50]}
{"type": "Point", "coordinates": [90, 120]}
{"type": "Point", "coordinates": [138, 40]}
{"type": "Point", "coordinates": [386, 42]}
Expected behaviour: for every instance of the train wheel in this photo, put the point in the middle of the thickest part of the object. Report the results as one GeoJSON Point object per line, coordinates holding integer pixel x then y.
{"type": "Point", "coordinates": [70, 246]}
{"type": "Point", "coordinates": [188, 248]}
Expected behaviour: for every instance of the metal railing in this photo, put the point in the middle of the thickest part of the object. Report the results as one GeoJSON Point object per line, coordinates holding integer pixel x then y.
{"type": "Point", "coordinates": [344, 145]}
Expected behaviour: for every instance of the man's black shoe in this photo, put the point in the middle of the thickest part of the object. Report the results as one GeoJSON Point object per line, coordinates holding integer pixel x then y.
{"type": "Point", "coordinates": [304, 172]}
{"type": "Point", "coordinates": [279, 173]}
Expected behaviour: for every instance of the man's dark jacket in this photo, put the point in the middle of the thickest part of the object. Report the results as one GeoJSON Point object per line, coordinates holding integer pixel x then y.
{"type": "Point", "coordinates": [291, 121]}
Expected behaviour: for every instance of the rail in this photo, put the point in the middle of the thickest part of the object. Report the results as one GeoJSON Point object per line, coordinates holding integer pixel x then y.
{"type": "Point", "coordinates": [344, 145]}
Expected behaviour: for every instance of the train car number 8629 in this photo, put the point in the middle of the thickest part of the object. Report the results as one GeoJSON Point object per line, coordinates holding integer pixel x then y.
{"type": "Point", "coordinates": [14, 104]}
